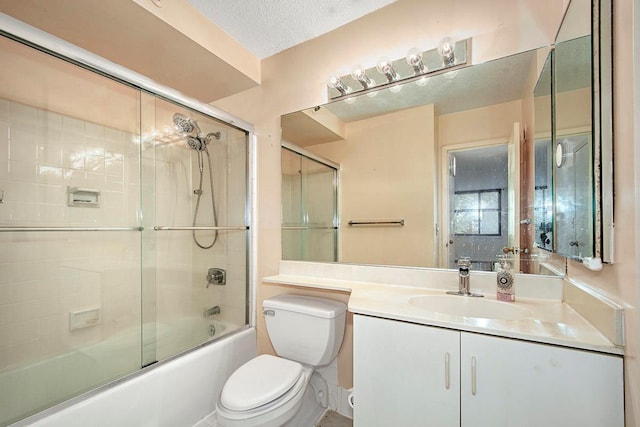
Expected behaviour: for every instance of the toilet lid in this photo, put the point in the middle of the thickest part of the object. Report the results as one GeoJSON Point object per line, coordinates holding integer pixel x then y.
{"type": "Point", "coordinates": [259, 381]}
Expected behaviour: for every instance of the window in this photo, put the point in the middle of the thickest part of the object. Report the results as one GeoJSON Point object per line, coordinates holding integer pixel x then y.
{"type": "Point", "coordinates": [477, 213]}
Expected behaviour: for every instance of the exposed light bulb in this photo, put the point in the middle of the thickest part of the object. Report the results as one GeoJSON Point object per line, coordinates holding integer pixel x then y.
{"type": "Point", "coordinates": [446, 49]}
{"type": "Point", "coordinates": [334, 82]}
{"type": "Point", "coordinates": [359, 74]}
{"type": "Point", "coordinates": [414, 59]}
{"type": "Point", "coordinates": [450, 75]}
{"type": "Point", "coordinates": [423, 81]}
{"type": "Point", "coordinates": [385, 67]}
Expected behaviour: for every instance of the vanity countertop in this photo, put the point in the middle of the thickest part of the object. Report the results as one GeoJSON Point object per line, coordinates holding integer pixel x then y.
{"type": "Point", "coordinates": [550, 322]}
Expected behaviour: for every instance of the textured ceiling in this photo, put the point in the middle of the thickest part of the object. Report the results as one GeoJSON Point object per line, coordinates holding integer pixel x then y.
{"type": "Point", "coordinates": [266, 27]}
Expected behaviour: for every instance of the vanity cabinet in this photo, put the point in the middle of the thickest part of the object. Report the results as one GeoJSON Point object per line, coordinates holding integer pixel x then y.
{"type": "Point", "coordinates": [405, 374]}
{"type": "Point", "coordinates": [413, 375]}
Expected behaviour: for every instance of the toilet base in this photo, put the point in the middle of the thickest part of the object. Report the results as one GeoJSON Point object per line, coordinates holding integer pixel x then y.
{"type": "Point", "coordinates": [307, 411]}
{"type": "Point", "coordinates": [314, 403]}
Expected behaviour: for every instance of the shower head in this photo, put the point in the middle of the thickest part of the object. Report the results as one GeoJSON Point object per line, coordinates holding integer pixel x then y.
{"type": "Point", "coordinates": [216, 135]}
{"type": "Point", "coordinates": [185, 125]}
{"type": "Point", "coordinates": [198, 143]}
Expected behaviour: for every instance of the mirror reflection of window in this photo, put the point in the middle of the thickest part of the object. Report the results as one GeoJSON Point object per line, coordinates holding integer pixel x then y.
{"type": "Point", "coordinates": [477, 212]}
{"type": "Point", "coordinates": [478, 205]}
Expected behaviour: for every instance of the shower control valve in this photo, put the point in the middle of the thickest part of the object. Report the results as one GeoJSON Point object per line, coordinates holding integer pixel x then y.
{"type": "Point", "coordinates": [216, 276]}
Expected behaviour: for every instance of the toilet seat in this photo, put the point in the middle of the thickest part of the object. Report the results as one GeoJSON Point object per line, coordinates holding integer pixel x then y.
{"type": "Point", "coordinates": [249, 389]}
{"type": "Point", "coordinates": [261, 380]}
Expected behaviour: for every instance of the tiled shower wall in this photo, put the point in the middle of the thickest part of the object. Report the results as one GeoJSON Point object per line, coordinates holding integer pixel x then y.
{"type": "Point", "coordinates": [181, 285]}
{"type": "Point", "coordinates": [44, 276]}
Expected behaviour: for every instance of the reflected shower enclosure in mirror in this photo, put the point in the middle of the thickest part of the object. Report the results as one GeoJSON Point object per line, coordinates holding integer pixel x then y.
{"type": "Point", "coordinates": [543, 192]}
{"type": "Point", "coordinates": [309, 207]}
{"type": "Point", "coordinates": [581, 132]}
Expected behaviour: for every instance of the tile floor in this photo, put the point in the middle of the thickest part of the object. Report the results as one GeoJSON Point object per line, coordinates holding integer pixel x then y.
{"type": "Point", "coordinates": [333, 419]}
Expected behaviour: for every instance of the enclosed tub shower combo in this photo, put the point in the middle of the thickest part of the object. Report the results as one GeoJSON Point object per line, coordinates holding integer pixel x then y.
{"type": "Point", "coordinates": [124, 225]}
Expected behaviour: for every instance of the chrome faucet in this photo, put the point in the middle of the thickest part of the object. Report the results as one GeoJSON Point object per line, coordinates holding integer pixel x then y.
{"type": "Point", "coordinates": [212, 311]}
{"type": "Point", "coordinates": [464, 279]}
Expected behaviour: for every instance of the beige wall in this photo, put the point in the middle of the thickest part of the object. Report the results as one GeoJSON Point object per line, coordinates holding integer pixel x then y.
{"type": "Point", "coordinates": [295, 79]}
{"type": "Point", "coordinates": [387, 166]}
{"type": "Point", "coordinates": [482, 124]}
{"type": "Point", "coordinates": [67, 90]}
{"type": "Point", "coordinates": [171, 42]}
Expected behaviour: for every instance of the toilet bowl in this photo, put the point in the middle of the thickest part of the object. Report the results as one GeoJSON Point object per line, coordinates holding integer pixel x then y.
{"type": "Point", "coordinates": [276, 397]}
{"type": "Point", "coordinates": [268, 391]}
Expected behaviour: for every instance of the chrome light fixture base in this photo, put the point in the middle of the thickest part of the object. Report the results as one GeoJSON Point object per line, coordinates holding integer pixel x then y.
{"type": "Point", "coordinates": [424, 64]}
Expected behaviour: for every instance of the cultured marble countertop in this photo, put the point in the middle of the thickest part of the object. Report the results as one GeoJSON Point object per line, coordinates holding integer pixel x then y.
{"type": "Point", "coordinates": [551, 321]}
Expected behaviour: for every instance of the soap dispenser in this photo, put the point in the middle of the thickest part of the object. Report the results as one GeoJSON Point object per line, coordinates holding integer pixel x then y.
{"type": "Point", "coordinates": [505, 288]}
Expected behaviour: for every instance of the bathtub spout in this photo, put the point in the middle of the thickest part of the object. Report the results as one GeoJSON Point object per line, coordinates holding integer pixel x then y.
{"type": "Point", "coordinates": [211, 311]}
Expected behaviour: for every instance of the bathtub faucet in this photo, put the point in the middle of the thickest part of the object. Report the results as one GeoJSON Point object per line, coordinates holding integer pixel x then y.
{"type": "Point", "coordinates": [212, 311]}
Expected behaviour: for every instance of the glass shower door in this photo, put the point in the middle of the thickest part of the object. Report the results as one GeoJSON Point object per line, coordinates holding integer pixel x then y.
{"type": "Point", "coordinates": [309, 209]}
{"type": "Point", "coordinates": [70, 238]}
{"type": "Point", "coordinates": [196, 230]}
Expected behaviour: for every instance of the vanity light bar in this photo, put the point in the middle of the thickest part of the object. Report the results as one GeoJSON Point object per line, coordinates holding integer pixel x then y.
{"type": "Point", "coordinates": [417, 65]}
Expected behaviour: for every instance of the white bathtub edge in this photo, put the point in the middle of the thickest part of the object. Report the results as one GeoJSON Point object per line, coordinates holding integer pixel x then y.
{"type": "Point", "coordinates": [181, 392]}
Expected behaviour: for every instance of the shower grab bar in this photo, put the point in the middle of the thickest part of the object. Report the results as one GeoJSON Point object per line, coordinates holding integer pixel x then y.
{"type": "Point", "coordinates": [178, 228]}
{"type": "Point", "coordinates": [303, 227]}
{"type": "Point", "coordinates": [14, 229]}
{"type": "Point", "coordinates": [395, 222]}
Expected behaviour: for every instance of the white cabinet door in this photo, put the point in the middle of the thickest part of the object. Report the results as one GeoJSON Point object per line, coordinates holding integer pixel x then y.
{"type": "Point", "coordinates": [405, 374]}
{"type": "Point", "coordinates": [513, 383]}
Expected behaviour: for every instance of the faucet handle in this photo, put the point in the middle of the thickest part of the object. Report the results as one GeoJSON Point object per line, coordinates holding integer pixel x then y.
{"type": "Point", "coordinates": [464, 262]}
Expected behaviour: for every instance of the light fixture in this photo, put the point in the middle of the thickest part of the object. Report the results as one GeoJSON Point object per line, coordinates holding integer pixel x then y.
{"type": "Point", "coordinates": [385, 67]}
{"type": "Point", "coordinates": [423, 81]}
{"type": "Point", "coordinates": [395, 88]}
{"type": "Point", "coordinates": [417, 66]}
{"type": "Point", "coordinates": [334, 82]}
{"type": "Point", "coordinates": [559, 154]}
{"type": "Point", "coordinates": [446, 49]}
{"type": "Point", "coordinates": [414, 59]}
{"type": "Point", "coordinates": [360, 75]}
{"type": "Point", "coordinates": [450, 74]}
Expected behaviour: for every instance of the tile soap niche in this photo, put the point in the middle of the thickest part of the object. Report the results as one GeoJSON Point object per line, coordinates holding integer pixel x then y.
{"type": "Point", "coordinates": [83, 197]}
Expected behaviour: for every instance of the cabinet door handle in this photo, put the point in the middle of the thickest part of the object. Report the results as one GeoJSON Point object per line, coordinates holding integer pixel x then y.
{"type": "Point", "coordinates": [473, 376]}
{"type": "Point", "coordinates": [447, 365]}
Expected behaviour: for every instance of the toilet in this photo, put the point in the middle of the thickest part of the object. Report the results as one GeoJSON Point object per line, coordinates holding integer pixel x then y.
{"type": "Point", "coordinates": [267, 391]}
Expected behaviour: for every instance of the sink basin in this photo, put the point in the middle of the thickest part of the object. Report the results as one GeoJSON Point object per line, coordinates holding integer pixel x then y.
{"type": "Point", "coordinates": [469, 307]}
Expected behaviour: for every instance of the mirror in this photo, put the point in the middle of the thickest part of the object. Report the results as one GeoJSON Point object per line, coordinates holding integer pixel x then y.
{"type": "Point", "coordinates": [582, 142]}
{"type": "Point", "coordinates": [428, 173]}
{"type": "Point", "coordinates": [393, 150]}
{"type": "Point", "coordinates": [543, 191]}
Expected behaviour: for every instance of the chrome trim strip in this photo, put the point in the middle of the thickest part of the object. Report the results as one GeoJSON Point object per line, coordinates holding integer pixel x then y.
{"type": "Point", "coordinates": [23, 229]}
{"type": "Point", "coordinates": [179, 228]}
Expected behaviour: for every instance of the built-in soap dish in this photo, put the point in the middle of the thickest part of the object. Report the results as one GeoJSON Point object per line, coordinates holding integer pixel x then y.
{"type": "Point", "coordinates": [83, 197]}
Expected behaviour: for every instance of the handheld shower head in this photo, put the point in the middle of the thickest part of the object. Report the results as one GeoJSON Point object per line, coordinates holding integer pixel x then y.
{"type": "Point", "coordinates": [197, 144]}
{"type": "Point", "coordinates": [185, 125]}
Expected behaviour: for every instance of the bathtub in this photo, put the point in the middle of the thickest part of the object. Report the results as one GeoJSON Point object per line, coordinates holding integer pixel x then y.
{"type": "Point", "coordinates": [179, 392]}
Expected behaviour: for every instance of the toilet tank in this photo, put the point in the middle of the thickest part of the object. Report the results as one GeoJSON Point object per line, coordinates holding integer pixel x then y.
{"type": "Point", "coordinates": [306, 329]}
